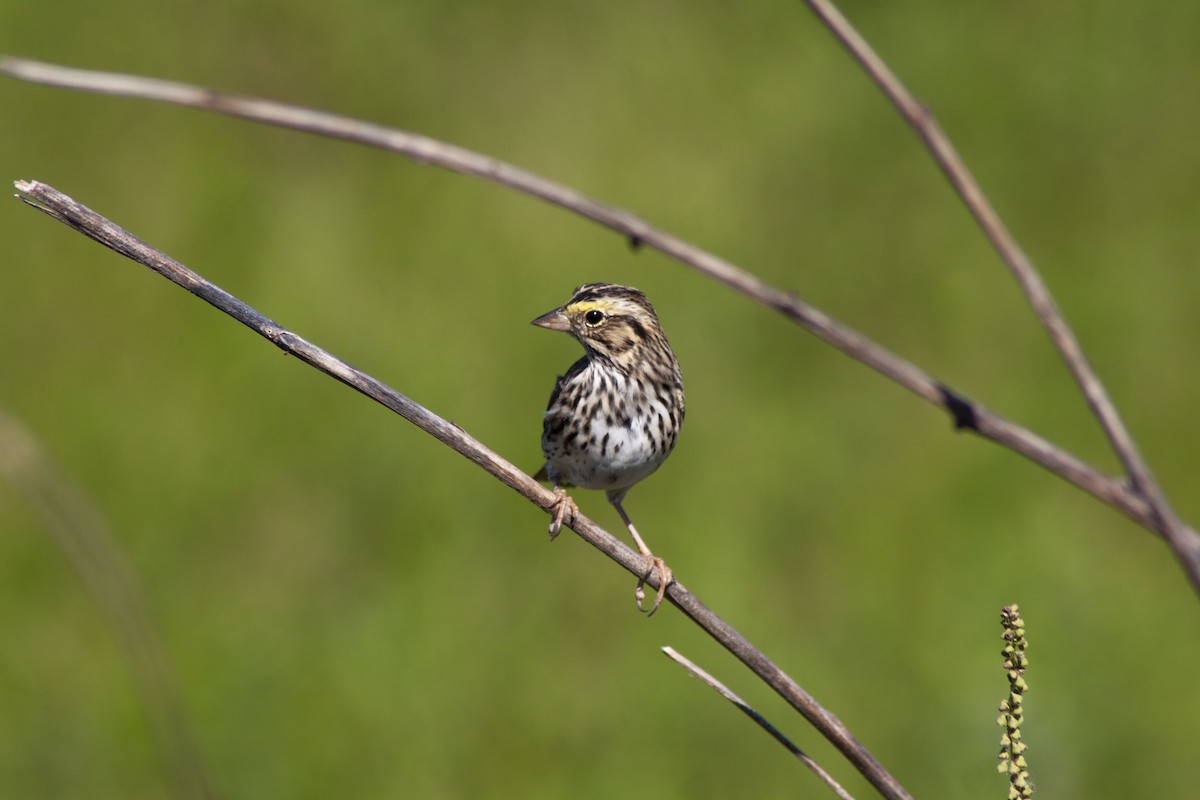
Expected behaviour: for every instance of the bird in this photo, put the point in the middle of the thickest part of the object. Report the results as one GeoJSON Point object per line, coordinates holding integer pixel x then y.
{"type": "Point", "coordinates": [615, 415]}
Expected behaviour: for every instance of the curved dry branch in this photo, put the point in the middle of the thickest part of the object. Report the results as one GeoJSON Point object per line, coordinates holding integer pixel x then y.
{"type": "Point", "coordinates": [79, 217]}
{"type": "Point", "coordinates": [918, 116]}
{"type": "Point", "coordinates": [966, 413]}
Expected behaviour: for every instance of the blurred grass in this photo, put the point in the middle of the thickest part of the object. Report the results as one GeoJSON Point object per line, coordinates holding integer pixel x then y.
{"type": "Point", "coordinates": [354, 611]}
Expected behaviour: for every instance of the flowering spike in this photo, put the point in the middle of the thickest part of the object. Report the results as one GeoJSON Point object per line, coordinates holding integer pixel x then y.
{"type": "Point", "coordinates": [1011, 759]}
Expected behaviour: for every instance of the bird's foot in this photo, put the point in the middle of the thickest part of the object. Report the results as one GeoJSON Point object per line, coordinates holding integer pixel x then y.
{"type": "Point", "coordinates": [564, 509]}
{"type": "Point", "coordinates": [665, 577]}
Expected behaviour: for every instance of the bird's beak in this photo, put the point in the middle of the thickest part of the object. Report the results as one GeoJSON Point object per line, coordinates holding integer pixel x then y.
{"type": "Point", "coordinates": [554, 320]}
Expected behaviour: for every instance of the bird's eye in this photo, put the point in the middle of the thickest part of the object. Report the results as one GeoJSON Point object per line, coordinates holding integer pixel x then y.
{"type": "Point", "coordinates": [594, 317]}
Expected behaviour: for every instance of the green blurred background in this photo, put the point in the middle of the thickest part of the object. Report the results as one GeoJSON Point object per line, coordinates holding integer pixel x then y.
{"type": "Point", "coordinates": [351, 610]}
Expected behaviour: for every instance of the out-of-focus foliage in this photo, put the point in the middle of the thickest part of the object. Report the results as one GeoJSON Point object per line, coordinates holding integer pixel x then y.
{"type": "Point", "coordinates": [354, 611]}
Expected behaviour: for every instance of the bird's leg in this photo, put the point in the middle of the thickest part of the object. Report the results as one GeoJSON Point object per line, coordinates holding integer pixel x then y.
{"type": "Point", "coordinates": [656, 565]}
{"type": "Point", "coordinates": [564, 508]}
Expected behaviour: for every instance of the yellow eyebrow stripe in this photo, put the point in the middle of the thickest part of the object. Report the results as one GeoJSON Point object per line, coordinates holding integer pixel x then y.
{"type": "Point", "coordinates": [588, 305]}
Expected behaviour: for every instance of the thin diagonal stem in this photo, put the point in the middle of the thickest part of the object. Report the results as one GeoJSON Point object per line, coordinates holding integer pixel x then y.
{"type": "Point", "coordinates": [83, 535]}
{"type": "Point", "coordinates": [966, 413]}
{"type": "Point", "coordinates": [1030, 280]}
{"type": "Point", "coordinates": [79, 217]}
{"type": "Point", "coordinates": [759, 720]}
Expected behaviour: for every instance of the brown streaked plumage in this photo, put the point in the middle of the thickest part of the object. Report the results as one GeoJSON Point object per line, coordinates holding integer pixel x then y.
{"type": "Point", "coordinates": [614, 417]}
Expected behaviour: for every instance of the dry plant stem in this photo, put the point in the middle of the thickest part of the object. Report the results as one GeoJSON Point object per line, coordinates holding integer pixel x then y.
{"type": "Point", "coordinates": [1144, 484]}
{"type": "Point", "coordinates": [66, 210]}
{"type": "Point", "coordinates": [759, 720]}
{"type": "Point", "coordinates": [83, 536]}
{"type": "Point", "coordinates": [967, 414]}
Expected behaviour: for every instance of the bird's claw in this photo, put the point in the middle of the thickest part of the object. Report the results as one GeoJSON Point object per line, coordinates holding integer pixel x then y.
{"type": "Point", "coordinates": [564, 509]}
{"type": "Point", "coordinates": [665, 577]}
